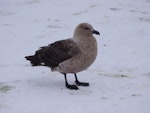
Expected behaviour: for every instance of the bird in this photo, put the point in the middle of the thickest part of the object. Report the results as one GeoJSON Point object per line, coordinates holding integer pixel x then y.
{"type": "Point", "coordinates": [70, 55]}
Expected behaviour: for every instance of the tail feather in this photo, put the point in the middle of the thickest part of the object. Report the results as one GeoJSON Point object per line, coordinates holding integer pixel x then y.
{"type": "Point", "coordinates": [33, 60]}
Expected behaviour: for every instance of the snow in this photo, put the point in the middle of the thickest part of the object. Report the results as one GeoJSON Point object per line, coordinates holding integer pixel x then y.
{"type": "Point", "coordinates": [119, 78]}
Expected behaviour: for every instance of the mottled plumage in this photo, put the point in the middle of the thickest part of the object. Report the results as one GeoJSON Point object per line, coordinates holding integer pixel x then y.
{"type": "Point", "coordinates": [54, 53]}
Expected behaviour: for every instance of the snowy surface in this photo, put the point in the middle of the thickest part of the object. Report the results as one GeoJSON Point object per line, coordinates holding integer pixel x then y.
{"type": "Point", "coordinates": [119, 78]}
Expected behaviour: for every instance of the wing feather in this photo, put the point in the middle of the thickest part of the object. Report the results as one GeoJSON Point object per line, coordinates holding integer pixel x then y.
{"type": "Point", "coordinates": [57, 52]}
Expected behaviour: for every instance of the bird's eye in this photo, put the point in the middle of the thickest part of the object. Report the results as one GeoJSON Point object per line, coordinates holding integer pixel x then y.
{"type": "Point", "coordinates": [86, 28]}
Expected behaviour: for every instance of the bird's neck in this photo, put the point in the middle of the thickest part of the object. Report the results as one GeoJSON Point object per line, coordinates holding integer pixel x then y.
{"type": "Point", "coordinates": [86, 42]}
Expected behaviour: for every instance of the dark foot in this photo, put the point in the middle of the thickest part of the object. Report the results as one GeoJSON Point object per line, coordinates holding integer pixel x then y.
{"type": "Point", "coordinates": [81, 83]}
{"type": "Point", "coordinates": [72, 87]}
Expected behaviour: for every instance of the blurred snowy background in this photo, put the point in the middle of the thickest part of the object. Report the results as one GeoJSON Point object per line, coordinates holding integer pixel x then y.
{"type": "Point", "coordinates": [119, 78]}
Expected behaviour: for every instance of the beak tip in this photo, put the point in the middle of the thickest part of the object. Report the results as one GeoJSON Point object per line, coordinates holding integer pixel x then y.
{"type": "Point", "coordinates": [95, 32]}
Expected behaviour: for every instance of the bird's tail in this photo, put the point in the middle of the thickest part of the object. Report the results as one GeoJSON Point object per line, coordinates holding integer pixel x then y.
{"type": "Point", "coordinates": [34, 60]}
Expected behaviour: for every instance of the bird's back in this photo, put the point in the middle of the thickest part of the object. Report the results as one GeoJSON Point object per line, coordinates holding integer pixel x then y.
{"type": "Point", "coordinates": [54, 53]}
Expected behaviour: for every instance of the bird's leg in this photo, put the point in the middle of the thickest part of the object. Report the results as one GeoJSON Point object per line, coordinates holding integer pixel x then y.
{"type": "Point", "coordinates": [80, 83]}
{"type": "Point", "coordinates": [73, 87]}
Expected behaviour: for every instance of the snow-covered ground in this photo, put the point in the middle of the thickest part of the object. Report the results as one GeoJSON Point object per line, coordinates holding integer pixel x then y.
{"type": "Point", "coordinates": [119, 78]}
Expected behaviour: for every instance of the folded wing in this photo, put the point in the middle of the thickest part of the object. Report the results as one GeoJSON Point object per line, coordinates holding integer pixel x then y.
{"type": "Point", "coordinates": [54, 53]}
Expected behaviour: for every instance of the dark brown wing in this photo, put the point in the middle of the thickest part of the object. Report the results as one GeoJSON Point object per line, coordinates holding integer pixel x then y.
{"type": "Point", "coordinates": [57, 52]}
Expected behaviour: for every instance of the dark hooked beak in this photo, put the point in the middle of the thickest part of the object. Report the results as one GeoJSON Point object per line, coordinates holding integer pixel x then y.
{"type": "Point", "coordinates": [95, 32]}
